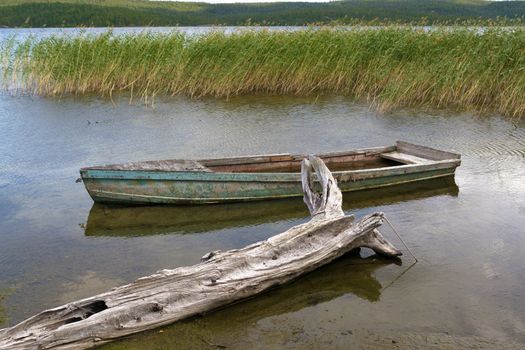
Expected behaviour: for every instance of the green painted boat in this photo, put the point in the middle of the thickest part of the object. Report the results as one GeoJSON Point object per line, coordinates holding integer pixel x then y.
{"type": "Point", "coordinates": [108, 220]}
{"type": "Point", "coordinates": [251, 178]}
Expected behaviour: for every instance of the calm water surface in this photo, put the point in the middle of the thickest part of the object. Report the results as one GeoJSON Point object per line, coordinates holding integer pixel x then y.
{"type": "Point", "coordinates": [23, 33]}
{"type": "Point", "coordinates": [469, 235]}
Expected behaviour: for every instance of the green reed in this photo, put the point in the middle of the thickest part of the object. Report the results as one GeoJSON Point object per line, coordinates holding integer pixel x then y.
{"type": "Point", "coordinates": [391, 67]}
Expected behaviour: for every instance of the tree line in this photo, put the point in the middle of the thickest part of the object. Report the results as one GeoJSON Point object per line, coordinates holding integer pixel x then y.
{"type": "Point", "coordinates": [69, 13]}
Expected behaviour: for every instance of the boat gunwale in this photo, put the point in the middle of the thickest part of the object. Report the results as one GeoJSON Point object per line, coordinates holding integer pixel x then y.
{"type": "Point", "coordinates": [257, 159]}
{"type": "Point", "coordinates": [247, 160]}
{"type": "Point", "coordinates": [353, 175]}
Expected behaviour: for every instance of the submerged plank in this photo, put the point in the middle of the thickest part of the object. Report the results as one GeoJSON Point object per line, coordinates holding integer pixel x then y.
{"type": "Point", "coordinates": [220, 279]}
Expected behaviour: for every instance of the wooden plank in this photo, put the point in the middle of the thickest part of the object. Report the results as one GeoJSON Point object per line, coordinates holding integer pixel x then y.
{"type": "Point", "coordinates": [424, 151]}
{"type": "Point", "coordinates": [405, 158]}
{"type": "Point", "coordinates": [246, 159]}
{"type": "Point", "coordinates": [156, 165]}
{"type": "Point", "coordinates": [283, 158]}
{"type": "Point", "coordinates": [365, 151]}
{"type": "Point", "coordinates": [395, 170]}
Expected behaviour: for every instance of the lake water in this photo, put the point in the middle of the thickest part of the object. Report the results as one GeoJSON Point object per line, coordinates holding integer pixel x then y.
{"type": "Point", "coordinates": [22, 33]}
{"type": "Point", "coordinates": [469, 235]}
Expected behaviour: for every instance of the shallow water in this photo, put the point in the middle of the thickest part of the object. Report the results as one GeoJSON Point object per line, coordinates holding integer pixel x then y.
{"type": "Point", "coordinates": [469, 235]}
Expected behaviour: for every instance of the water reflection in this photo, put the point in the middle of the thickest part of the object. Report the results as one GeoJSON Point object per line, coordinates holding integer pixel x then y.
{"type": "Point", "coordinates": [106, 220]}
{"type": "Point", "coordinates": [350, 276]}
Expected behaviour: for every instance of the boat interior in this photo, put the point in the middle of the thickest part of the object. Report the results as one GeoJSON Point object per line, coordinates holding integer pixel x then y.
{"type": "Point", "coordinates": [401, 154]}
{"type": "Point", "coordinates": [284, 163]}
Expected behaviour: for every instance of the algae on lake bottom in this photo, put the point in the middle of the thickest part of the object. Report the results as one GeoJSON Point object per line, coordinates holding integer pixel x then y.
{"type": "Point", "coordinates": [3, 317]}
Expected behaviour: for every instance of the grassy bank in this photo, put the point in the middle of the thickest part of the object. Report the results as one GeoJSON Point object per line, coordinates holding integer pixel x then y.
{"type": "Point", "coordinates": [389, 68]}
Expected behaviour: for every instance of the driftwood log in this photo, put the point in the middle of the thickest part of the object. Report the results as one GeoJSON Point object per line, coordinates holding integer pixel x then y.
{"type": "Point", "coordinates": [220, 279]}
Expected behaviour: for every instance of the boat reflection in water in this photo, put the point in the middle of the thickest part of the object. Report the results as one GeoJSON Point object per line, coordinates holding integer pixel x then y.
{"type": "Point", "coordinates": [107, 220]}
{"type": "Point", "coordinates": [349, 274]}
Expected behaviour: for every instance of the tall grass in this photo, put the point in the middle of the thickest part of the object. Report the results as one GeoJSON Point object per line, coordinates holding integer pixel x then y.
{"type": "Point", "coordinates": [390, 67]}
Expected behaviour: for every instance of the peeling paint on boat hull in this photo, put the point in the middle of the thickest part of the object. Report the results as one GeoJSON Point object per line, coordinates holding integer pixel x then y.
{"type": "Point", "coordinates": [105, 187]}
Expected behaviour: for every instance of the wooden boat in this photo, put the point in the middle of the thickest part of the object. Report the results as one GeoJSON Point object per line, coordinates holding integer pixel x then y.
{"type": "Point", "coordinates": [261, 177]}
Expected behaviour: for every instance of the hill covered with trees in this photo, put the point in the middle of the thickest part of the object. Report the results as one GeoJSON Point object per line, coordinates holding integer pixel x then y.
{"type": "Point", "coordinates": [70, 13]}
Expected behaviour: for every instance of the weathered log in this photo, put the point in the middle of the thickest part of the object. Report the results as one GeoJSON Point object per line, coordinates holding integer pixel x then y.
{"type": "Point", "coordinates": [220, 279]}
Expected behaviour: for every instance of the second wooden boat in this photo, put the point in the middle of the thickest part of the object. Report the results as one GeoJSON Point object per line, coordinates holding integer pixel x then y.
{"type": "Point", "coordinates": [261, 177]}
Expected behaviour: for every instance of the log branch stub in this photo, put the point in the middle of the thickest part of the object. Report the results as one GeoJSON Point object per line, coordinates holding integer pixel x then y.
{"type": "Point", "coordinates": [330, 201]}
{"type": "Point", "coordinates": [221, 278]}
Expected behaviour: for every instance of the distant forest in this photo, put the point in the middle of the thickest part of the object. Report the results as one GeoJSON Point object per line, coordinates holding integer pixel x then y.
{"type": "Point", "coordinates": [101, 13]}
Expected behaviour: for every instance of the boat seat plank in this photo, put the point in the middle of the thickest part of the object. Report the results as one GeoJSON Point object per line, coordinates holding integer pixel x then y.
{"type": "Point", "coordinates": [405, 158]}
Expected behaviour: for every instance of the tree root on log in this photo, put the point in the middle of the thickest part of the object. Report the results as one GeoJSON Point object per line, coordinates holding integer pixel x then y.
{"type": "Point", "coordinates": [220, 279]}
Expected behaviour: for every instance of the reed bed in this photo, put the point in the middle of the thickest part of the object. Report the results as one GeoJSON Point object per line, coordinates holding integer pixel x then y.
{"type": "Point", "coordinates": [389, 67]}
